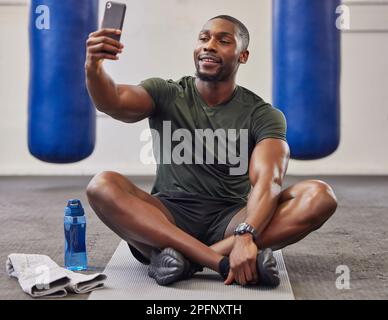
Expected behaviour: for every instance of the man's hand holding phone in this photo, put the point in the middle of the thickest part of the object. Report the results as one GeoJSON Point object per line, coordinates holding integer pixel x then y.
{"type": "Point", "coordinates": [105, 43]}
{"type": "Point", "coordinates": [100, 45]}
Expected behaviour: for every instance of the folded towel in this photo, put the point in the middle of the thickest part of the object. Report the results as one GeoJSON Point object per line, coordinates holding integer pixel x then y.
{"type": "Point", "coordinates": [83, 283]}
{"type": "Point", "coordinates": [39, 276]}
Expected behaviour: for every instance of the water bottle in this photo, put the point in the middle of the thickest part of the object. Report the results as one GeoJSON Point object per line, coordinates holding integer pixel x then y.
{"type": "Point", "coordinates": [75, 236]}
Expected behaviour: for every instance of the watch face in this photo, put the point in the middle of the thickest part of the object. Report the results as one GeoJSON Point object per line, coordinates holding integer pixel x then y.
{"type": "Point", "coordinates": [241, 228]}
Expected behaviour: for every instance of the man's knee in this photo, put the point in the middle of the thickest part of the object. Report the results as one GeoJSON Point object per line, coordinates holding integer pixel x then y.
{"type": "Point", "coordinates": [321, 203]}
{"type": "Point", "coordinates": [100, 184]}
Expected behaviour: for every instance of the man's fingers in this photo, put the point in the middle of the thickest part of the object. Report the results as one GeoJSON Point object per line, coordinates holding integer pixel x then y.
{"type": "Point", "coordinates": [243, 276]}
{"type": "Point", "coordinates": [101, 46]}
{"type": "Point", "coordinates": [104, 39]}
{"type": "Point", "coordinates": [104, 48]}
{"type": "Point", "coordinates": [105, 56]}
{"type": "Point", "coordinates": [239, 275]}
{"type": "Point", "coordinates": [248, 273]}
{"type": "Point", "coordinates": [230, 278]}
{"type": "Point", "coordinates": [105, 32]}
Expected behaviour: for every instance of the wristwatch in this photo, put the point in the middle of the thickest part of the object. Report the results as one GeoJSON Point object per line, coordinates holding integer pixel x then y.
{"type": "Point", "coordinates": [243, 228]}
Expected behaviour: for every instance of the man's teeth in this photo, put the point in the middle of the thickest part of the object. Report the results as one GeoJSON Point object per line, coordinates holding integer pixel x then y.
{"type": "Point", "coordinates": [209, 60]}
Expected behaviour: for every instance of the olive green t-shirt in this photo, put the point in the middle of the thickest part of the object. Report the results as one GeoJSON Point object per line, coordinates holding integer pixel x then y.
{"type": "Point", "coordinates": [206, 150]}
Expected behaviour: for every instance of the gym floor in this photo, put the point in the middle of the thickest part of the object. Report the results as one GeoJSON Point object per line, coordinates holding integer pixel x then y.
{"type": "Point", "coordinates": [31, 221]}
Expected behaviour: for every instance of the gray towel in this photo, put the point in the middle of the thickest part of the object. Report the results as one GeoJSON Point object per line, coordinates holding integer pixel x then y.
{"type": "Point", "coordinates": [40, 276]}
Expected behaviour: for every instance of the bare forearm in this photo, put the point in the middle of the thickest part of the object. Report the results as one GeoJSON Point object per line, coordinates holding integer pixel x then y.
{"type": "Point", "coordinates": [101, 46]}
{"type": "Point", "coordinates": [126, 103]}
{"type": "Point", "coordinates": [102, 89]}
{"type": "Point", "coordinates": [262, 204]}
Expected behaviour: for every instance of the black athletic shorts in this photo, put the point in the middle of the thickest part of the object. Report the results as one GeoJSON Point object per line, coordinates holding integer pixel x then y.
{"type": "Point", "coordinates": [203, 217]}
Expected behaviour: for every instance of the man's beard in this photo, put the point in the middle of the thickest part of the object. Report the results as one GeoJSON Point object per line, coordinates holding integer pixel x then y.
{"type": "Point", "coordinates": [219, 76]}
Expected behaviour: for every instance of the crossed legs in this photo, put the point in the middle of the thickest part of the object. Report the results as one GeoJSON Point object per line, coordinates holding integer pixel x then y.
{"type": "Point", "coordinates": [144, 222]}
{"type": "Point", "coordinates": [303, 208]}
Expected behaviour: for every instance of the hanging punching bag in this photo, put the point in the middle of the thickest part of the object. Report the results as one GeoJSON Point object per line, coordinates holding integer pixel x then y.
{"type": "Point", "coordinates": [61, 117]}
{"type": "Point", "coordinates": [306, 74]}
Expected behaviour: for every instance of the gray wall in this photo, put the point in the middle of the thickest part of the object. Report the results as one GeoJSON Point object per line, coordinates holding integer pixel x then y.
{"type": "Point", "coordinates": [159, 37]}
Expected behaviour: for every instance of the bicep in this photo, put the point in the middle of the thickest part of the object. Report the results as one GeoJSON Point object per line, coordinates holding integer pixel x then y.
{"type": "Point", "coordinates": [135, 103]}
{"type": "Point", "coordinates": [269, 161]}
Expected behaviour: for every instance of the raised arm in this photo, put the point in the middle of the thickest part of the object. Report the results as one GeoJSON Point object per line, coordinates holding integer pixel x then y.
{"type": "Point", "coordinates": [127, 103]}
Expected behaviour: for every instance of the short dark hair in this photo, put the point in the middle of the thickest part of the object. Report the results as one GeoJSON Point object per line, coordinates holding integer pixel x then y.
{"type": "Point", "coordinates": [243, 31]}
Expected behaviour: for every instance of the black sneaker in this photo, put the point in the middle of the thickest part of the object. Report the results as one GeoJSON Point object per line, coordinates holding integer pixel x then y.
{"type": "Point", "coordinates": [169, 266]}
{"type": "Point", "coordinates": [267, 268]}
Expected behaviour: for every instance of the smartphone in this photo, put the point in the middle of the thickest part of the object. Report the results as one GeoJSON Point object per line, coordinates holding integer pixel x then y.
{"type": "Point", "coordinates": [114, 17]}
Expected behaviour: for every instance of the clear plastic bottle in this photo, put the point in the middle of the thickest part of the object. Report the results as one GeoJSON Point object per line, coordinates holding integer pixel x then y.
{"type": "Point", "coordinates": [75, 236]}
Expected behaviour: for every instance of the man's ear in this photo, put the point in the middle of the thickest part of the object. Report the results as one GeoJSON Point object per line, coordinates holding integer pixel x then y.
{"type": "Point", "coordinates": [243, 57]}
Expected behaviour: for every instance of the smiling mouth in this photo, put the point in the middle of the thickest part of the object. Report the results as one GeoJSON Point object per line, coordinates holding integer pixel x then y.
{"type": "Point", "coordinates": [209, 60]}
{"type": "Point", "coordinates": [209, 63]}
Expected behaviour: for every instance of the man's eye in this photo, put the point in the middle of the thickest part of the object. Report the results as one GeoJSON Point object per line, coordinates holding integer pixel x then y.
{"type": "Point", "coordinates": [224, 42]}
{"type": "Point", "coordinates": [202, 39]}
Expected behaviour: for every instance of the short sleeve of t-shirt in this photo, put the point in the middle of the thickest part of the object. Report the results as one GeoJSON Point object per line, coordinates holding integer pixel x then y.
{"type": "Point", "coordinates": [268, 122]}
{"type": "Point", "coordinates": [162, 92]}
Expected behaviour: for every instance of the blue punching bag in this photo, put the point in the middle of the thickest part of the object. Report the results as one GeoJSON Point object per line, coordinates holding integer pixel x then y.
{"type": "Point", "coordinates": [61, 117]}
{"type": "Point", "coordinates": [306, 74]}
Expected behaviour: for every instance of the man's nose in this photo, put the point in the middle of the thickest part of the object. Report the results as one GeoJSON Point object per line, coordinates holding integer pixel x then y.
{"type": "Point", "coordinates": [211, 45]}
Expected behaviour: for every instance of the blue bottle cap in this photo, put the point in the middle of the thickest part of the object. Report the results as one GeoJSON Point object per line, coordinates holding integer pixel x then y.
{"type": "Point", "coordinates": [74, 208]}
